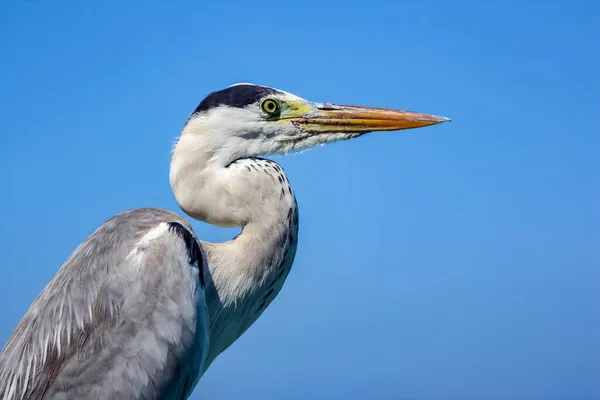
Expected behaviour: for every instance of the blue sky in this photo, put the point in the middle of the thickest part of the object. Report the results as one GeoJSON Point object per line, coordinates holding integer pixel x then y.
{"type": "Point", "coordinates": [453, 262]}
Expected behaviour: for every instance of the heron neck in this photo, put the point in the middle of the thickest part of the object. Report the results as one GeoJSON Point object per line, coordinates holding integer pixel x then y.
{"type": "Point", "coordinates": [247, 272]}
{"type": "Point", "coordinates": [244, 263]}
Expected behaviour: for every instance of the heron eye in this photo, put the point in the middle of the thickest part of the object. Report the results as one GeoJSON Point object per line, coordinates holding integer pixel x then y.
{"type": "Point", "coordinates": [270, 106]}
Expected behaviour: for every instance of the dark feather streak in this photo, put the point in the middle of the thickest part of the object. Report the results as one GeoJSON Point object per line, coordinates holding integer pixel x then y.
{"type": "Point", "coordinates": [193, 249]}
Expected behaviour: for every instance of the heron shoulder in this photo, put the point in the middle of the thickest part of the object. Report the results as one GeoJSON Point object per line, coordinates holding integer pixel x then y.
{"type": "Point", "coordinates": [94, 303]}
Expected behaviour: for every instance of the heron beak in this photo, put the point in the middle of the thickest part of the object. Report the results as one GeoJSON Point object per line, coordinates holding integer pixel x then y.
{"type": "Point", "coordinates": [334, 118]}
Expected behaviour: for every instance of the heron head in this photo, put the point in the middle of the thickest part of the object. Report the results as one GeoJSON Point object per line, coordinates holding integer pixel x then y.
{"type": "Point", "coordinates": [246, 120]}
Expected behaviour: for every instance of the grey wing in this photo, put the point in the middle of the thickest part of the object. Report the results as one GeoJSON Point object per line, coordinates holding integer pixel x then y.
{"type": "Point", "coordinates": [125, 317]}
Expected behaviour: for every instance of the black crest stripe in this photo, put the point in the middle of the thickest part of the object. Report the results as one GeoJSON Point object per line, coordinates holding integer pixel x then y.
{"type": "Point", "coordinates": [235, 96]}
{"type": "Point", "coordinates": [193, 249]}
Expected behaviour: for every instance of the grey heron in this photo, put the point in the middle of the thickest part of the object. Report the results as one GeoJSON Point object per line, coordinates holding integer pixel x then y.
{"type": "Point", "coordinates": [143, 307]}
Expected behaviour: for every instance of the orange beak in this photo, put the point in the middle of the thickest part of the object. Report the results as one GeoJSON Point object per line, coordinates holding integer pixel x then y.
{"type": "Point", "coordinates": [334, 118]}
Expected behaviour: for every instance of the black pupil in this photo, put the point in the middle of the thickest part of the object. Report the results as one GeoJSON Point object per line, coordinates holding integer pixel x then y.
{"type": "Point", "coordinates": [271, 106]}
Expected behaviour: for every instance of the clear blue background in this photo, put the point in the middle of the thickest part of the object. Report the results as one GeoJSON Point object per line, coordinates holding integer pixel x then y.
{"type": "Point", "coordinates": [459, 261]}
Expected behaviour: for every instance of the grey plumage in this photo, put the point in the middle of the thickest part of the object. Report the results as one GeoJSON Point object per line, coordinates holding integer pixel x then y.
{"type": "Point", "coordinates": [123, 318]}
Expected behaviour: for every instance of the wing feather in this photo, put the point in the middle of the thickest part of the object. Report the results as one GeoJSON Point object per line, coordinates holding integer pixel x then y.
{"type": "Point", "coordinates": [124, 317]}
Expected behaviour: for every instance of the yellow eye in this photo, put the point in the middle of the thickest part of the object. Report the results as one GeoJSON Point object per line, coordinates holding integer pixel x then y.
{"type": "Point", "coordinates": [270, 106]}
